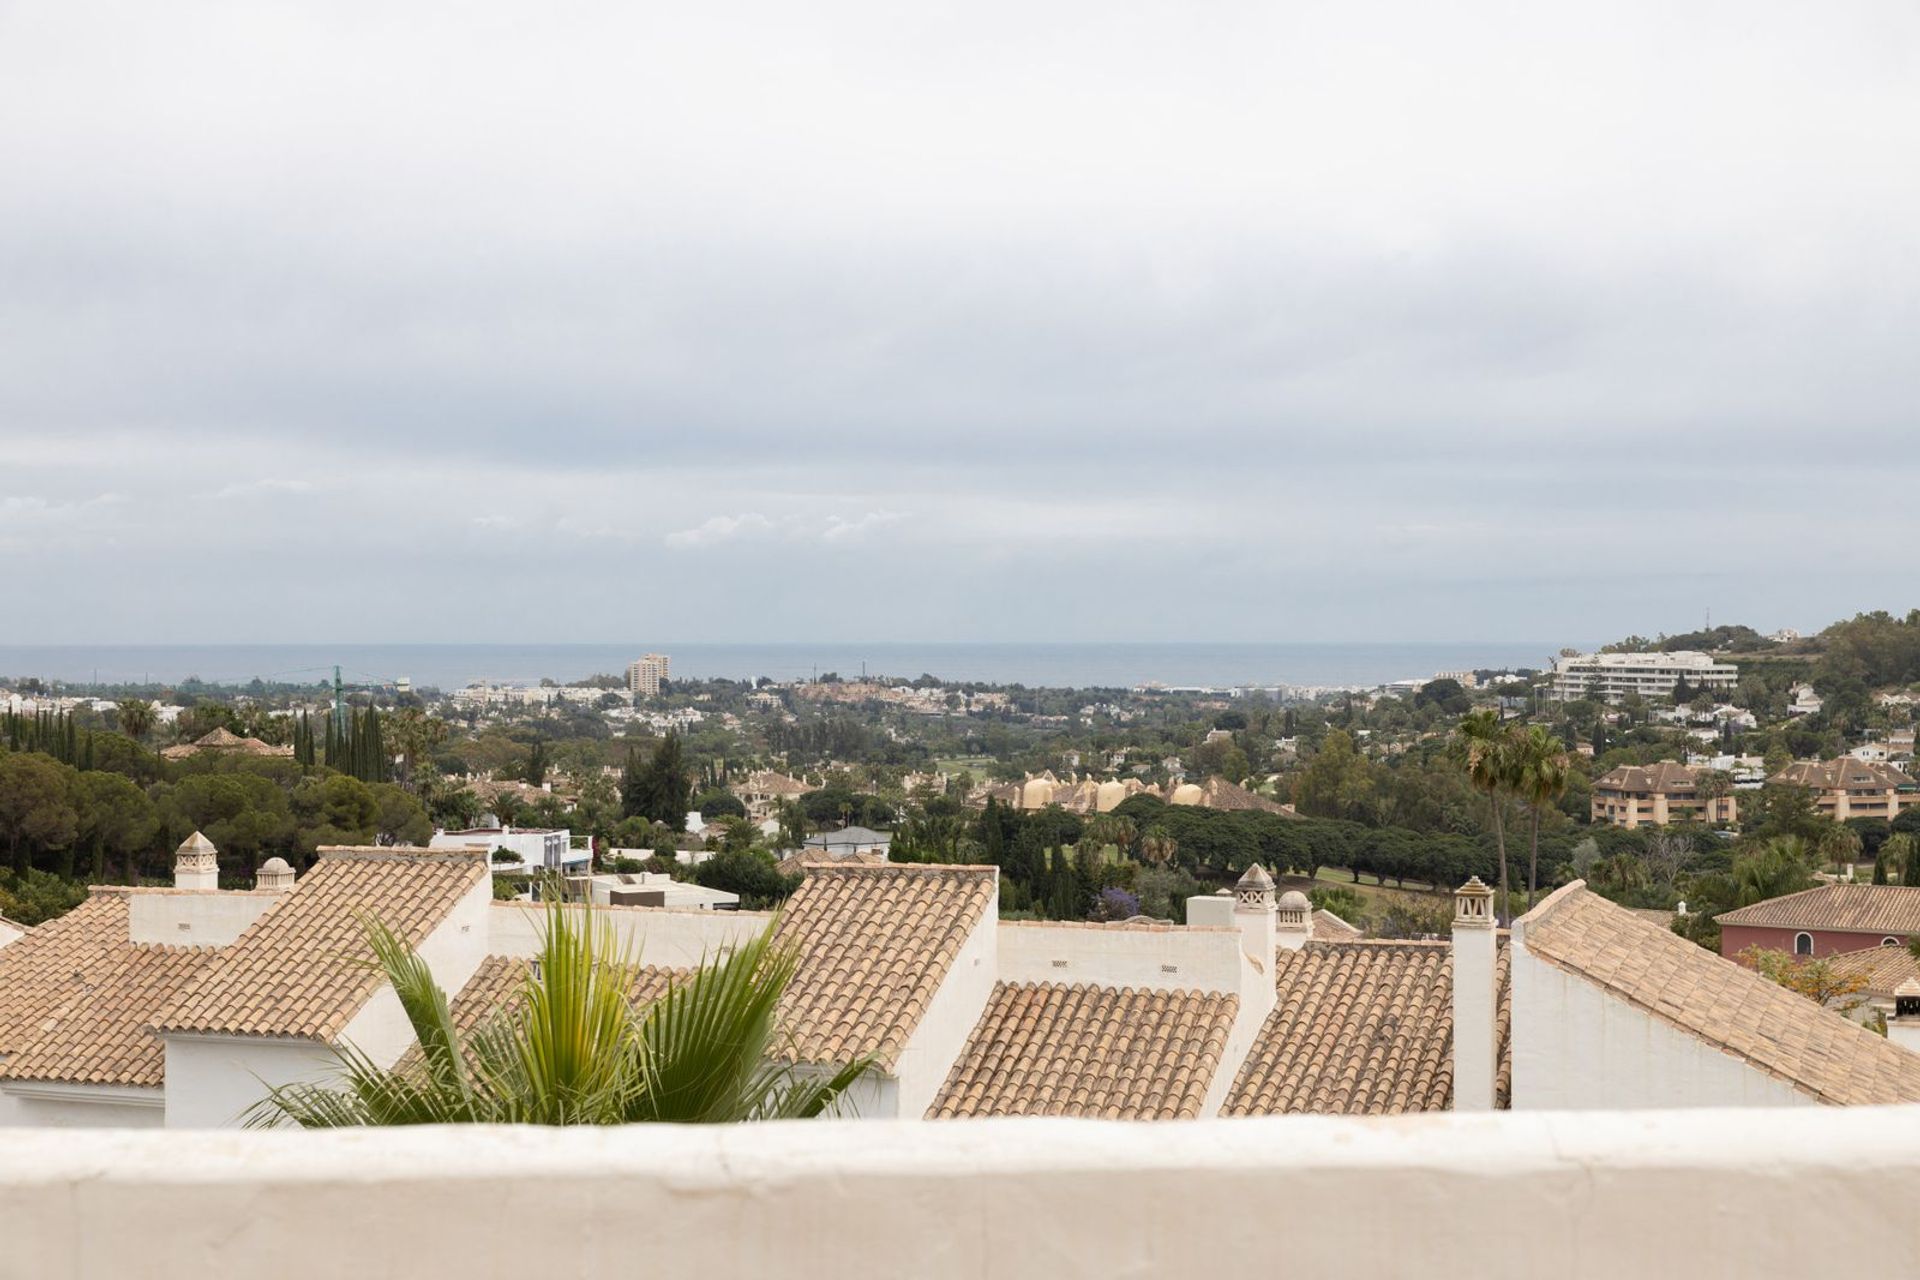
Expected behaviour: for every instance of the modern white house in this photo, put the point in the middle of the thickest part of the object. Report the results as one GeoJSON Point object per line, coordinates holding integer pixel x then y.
{"type": "Point", "coordinates": [533, 848]}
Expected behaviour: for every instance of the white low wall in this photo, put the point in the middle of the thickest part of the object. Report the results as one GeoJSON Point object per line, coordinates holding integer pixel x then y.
{"type": "Point", "coordinates": [677, 938]}
{"type": "Point", "coordinates": [1156, 957]}
{"type": "Point", "coordinates": [1697, 1195]}
{"type": "Point", "coordinates": [178, 918]}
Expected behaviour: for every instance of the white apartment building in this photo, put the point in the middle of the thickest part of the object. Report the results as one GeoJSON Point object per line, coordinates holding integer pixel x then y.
{"type": "Point", "coordinates": [645, 673]}
{"type": "Point", "coordinates": [1610, 677]}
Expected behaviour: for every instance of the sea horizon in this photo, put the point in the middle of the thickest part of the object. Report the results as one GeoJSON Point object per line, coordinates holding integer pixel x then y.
{"type": "Point", "coordinates": [1046, 664]}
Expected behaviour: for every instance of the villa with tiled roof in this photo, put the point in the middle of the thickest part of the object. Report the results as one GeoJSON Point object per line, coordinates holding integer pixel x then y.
{"type": "Point", "coordinates": [1825, 920]}
{"type": "Point", "coordinates": [1850, 788]}
{"type": "Point", "coordinates": [181, 1006]}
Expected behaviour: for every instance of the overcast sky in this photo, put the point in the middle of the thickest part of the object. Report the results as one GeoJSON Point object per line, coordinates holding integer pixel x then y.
{"type": "Point", "coordinates": [1002, 321]}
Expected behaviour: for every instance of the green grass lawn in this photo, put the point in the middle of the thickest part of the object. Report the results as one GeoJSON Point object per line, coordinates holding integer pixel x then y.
{"type": "Point", "coordinates": [1377, 897]}
{"type": "Point", "coordinates": [977, 765]}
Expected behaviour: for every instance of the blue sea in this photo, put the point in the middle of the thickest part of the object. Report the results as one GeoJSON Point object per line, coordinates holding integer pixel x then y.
{"type": "Point", "coordinates": [449, 666]}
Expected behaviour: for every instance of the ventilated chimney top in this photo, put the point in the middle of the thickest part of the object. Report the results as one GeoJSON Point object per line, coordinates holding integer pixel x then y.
{"type": "Point", "coordinates": [1256, 877]}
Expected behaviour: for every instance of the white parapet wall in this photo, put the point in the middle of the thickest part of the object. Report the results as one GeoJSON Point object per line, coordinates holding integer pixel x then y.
{"type": "Point", "coordinates": [189, 918]}
{"type": "Point", "coordinates": [1602, 1195]}
{"type": "Point", "coordinates": [674, 937]}
{"type": "Point", "coordinates": [1153, 956]}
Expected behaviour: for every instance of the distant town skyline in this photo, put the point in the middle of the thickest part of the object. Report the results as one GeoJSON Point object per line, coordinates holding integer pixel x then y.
{"type": "Point", "coordinates": [1310, 323]}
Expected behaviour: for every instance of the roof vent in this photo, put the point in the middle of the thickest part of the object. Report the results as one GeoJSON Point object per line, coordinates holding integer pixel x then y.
{"type": "Point", "coordinates": [275, 876]}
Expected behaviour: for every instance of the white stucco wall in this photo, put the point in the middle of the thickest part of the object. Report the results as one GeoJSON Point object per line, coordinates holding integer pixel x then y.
{"type": "Point", "coordinates": [80, 1106]}
{"type": "Point", "coordinates": [1698, 1195]}
{"type": "Point", "coordinates": [1163, 959]}
{"type": "Point", "coordinates": [674, 937]}
{"type": "Point", "coordinates": [949, 1020]}
{"type": "Point", "coordinates": [175, 918]}
{"type": "Point", "coordinates": [212, 1080]}
{"type": "Point", "coordinates": [454, 950]}
{"type": "Point", "coordinates": [10, 932]}
{"type": "Point", "coordinates": [1575, 1046]}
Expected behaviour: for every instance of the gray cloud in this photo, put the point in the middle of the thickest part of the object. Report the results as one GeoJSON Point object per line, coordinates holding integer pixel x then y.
{"type": "Point", "coordinates": [1309, 321]}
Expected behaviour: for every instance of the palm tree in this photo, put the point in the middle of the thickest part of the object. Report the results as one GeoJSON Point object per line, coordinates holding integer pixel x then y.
{"type": "Point", "coordinates": [1485, 747]}
{"type": "Point", "coordinates": [1840, 844]}
{"type": "Point", "coordinates": [1540, 773]}
{"type": "Point", "coordinates": [135, 716]}
{"type": "Point", "coordinates": [1777, 867]}
{"type": "Point", "coordinates": [569, 1048]}
{"type": "Point", "coordinates": [1896, 854]}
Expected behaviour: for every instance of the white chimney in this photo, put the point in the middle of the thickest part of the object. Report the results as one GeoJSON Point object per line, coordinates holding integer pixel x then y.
{"type": "Point", "coordinates": [196, 864]}
{"type": "Point", "coordinates": [1212, 909]}
{"type": "Point", "coordinates": [1903, 1028]}
{"type": "Point", "coordinates": [1253, 911]}
{"type": "Point", "coordinates": [1293, 920]}
{"type": "Point", "coordinates": [1474, 1049]}
{"type": "Point", "coordinates": [274, 876]}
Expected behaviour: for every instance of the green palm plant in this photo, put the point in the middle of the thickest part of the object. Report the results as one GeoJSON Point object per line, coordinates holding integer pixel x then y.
{"type": "Point", "coordinates": [570, 1048]}
{"type": "Point", "coordinates": [135, 717]}
{"type": "Point", "coordinates": [1540, 777]}
{"type": "Point", "coordinates": [1896, 855]}
{"type": "Point", "coordinates": [1840, 844]}
{"type": "Point", "coordinates": [1485, 747]}
{"type": "Point", "coordinates": [1777, 867]}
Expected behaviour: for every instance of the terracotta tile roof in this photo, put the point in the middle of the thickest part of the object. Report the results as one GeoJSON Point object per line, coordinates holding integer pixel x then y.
{"type": "Point", "coordinates": [1857, 908]}
{"type": "Point", "coordinates": [773, 783]}
{"type": "Point", "coordinates": [1359, 1028]}
{"type": "Point", "coordinates": [101, 1032]}
{"type": "Point", "coordinates": [1717, 1001]}
{"type": "Point", "coordinates": [296, 970]}
{"type": "Point", "coordinates": [1050, 1049]}
{"type": "Point", "coordinates": [50, 964]}
{"type": "Point", "coordinates": [222, 739]}
{"type": "Point", "coordinates": [874, 945]}
{"type": "Point", "coordinates": [1843, 774]}
{"type": "Point", "coordinates": [1884, 968]}
{"type": "Point", "coordinates": [1663, 777]}
{"type": "Point", "coordinates": [1328, 927]}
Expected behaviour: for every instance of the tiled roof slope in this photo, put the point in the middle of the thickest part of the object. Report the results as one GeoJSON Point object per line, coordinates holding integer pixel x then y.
{"type": "Point", "coordinates": [296, 971]}
{"type": "Point", "coordinates": [1717, 1001]}
{"type": "Point", "coordinates": [1358, 1028]}
{"type": "Point", "coordinates": [1861, 908]}
{"type": "Point", "coordinates": [874, 945]}
{"type": "Point", "coordinates": [1050, 1049]}
{"type": "Point", "coordinates": [1845, 773]}
{"type": "Point", "coordinates": [101, 1033]}
{"type": "Point", "coordinates": [54, 963]}
{"type": "Point", "coordinates": [1884, 968]}
{"type": "Point", "coordinates": [1662, 776]}
{"type": "Point", "coordinates": [1328, 927]}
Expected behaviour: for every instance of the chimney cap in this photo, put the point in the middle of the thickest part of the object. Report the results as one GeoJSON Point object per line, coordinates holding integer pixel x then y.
{"type": "Point", "coordinates": [195, 843]}
{"type": "Point", "coordinates": [1909, 989]}
{"type": "Point", "coordinates": [1255, 877]}
{"type": "Point", "coordinates": [1475, 887]}
{"type": "Point", "coordinates": [1294, 900]}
